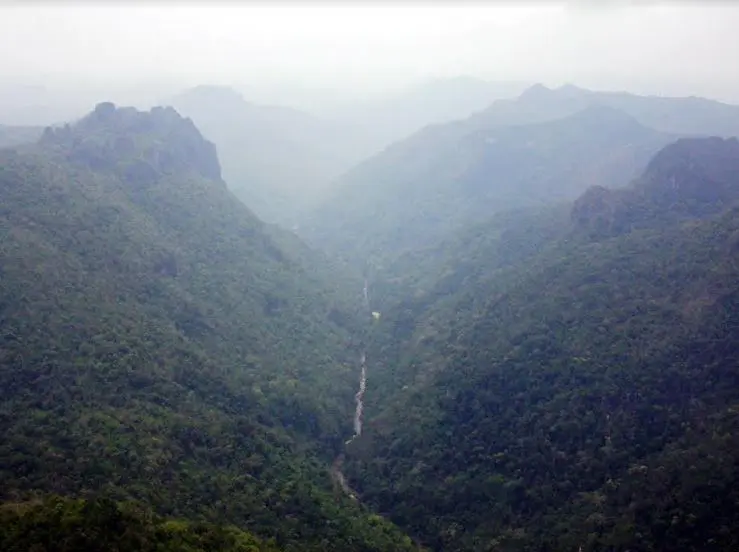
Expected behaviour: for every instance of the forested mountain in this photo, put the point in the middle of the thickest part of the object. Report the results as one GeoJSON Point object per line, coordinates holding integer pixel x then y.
{"type": "Point", "coordinates": [554, 366]}
{"type": "Point", "coordinates": [570, 380]}
{"type": "Point", "coordinates": [159, 343]}
{"type": "Point", "coordinates": [66, 525]}
{"type": "Point", "coordinates": [446, 177]}
{"type": "Point", "coordinates": [541, 146]}
{"type": "Point", "coordinates": [688, 179]}
{"type": "Point", "coordinates": [277, 160]}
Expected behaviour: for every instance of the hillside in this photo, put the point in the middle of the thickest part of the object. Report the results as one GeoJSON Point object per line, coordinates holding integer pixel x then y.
{"type": "Point", "coordinates": [277, 160]}
{"type": "Point", "coordinates": [447, 177]}
{"type": "Point", "coordinates": [159, 343]}
{"type": "Point", "coordinates": [545, 145]}
{"type": "Point", "coordinates": [66, 525]}
{"type": "Point", "coordinates": [688, 179]}
{"type": "Point", "coordinates": [575, 391]}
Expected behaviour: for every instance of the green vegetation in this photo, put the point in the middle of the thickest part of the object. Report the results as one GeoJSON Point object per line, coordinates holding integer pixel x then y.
{"type": "Point", "coordinates": [159, 343]}
{"type": "Point", "coordinates": [177, 375]}
{"type": "Point", "coordinates": [65, 525]}
{"type": "Point", "coordinates": [580, 391]}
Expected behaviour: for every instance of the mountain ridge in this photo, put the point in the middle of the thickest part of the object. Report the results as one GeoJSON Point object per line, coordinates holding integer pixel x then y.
{"type": "Point", "coordinates": [678, 115]}
{"type": "Point", "coordinates": [157, 141]}
{"type": "Point", "coordinates": [159, 343]}
{"type": "Point", "coordinates": [448, 176]}
{"type": "Point", "coordinates": [687, 179]}
{"type": "Point", "coordinates": [553, 402]}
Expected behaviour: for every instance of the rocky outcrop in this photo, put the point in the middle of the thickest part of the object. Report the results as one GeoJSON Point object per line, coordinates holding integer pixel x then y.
{"type": "Point", "coordinates": [138, 145]}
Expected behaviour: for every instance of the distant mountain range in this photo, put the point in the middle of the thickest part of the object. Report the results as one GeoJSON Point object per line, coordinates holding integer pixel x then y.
{"type": "Point", "coordinates": [691, 115]}
{"type": "Point", "coordinates": [545, 145]}
{"type": "Point", "coordinates": [396, 117]}
{"type": "Point", "coordinates": [282, 161]}
{"type": "Point", "coordinates": [444, 178]}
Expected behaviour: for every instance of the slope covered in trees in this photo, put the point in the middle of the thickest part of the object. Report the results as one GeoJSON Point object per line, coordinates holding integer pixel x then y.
{"type": "Point", "coordinates": [577, 391]}
{"type": "Point", "coordinates": [557, 377]}
{"type": "Point", "coordinates": [160, 343]}
{"type": "Point", "coordinates": [65, 525]}
{"type": "Point", "coordinates": [444, 178]}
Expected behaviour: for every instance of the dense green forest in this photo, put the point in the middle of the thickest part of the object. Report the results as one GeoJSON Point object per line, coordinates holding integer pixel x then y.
{"type": "Point", "coordinates": [554, 367]}
{"type": "Point", "coordinates": [67, 525]}
{"type": "Point", "coordinates": [159, 343]}
{"type": "Point", "coordinates": [577, 390]}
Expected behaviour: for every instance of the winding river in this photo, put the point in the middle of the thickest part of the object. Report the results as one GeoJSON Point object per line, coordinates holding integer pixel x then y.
{"type": "Point", "coordinates": [336, 472]}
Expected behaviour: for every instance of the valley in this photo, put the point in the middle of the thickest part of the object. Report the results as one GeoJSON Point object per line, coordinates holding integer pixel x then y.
{"type": "Point", "coordinates": [535, 373]}
{"type": "Point", "coordinates": [511, 331]}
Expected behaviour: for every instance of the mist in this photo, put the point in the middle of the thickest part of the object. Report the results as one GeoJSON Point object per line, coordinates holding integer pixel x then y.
{"type": "Point", "coordinates": [308, 55]}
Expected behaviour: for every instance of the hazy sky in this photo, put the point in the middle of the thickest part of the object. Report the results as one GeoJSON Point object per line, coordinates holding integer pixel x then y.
{"type": "Point", "coordinates": [677, 48]}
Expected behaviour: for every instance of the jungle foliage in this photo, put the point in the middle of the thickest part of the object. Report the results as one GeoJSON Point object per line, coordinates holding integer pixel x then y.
{"type": "Point", "coordinates": [578, 390]}
{"type": "Point", "coordinates": [159, 343]}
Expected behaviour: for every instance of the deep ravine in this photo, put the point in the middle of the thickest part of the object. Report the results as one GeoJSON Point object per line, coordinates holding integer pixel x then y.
{"type": "Point", "coordinates": [359, 398]}
{"type": "Point", "coordinates": [336, 469]}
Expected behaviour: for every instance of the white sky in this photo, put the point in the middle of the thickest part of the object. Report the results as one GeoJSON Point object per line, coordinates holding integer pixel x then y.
{"type": "Point", "coordinates": [664, 48]}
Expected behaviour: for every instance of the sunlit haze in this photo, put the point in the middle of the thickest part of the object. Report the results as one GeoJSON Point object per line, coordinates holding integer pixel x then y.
{"type": "Point", "coordinates": [285, 49]}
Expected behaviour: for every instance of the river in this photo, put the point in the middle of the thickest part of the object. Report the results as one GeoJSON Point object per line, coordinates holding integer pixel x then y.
{"type": "Point", "coordinates": [336, 471]}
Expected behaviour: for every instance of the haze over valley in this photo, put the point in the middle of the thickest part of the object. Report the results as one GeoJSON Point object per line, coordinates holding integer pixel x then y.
{"type": "Point", "coordinates": [444, 277]}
